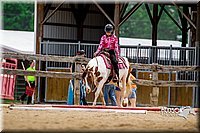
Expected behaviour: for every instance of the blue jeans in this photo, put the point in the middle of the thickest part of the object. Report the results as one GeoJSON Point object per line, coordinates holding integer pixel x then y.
{"type": "Point", "coordinates": [70, 99]}
{"type": "Point", "coordinates": [109, 91]}
{"type": "Point", "coordinates": [133, 93]}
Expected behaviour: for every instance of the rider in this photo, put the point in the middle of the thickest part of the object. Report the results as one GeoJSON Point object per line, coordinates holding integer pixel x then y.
{"type": "Point", "coordinates": [109, 43]}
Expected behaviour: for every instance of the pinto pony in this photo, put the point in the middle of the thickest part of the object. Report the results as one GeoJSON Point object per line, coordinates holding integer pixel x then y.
{"type": "Point", "coordinates": [96, 74]}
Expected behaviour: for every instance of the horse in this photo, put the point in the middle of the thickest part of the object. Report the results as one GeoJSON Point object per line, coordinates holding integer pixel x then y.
{"type": "Point", "coordinates": [96, 74]}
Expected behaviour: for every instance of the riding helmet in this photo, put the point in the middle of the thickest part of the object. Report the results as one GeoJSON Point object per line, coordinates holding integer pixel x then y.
{"type": "Point", "coordinates": [108, 28]}
{"type": "Point", "coordinates": [81, 52]}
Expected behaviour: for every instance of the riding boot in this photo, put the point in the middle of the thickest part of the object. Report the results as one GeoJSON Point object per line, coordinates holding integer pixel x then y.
{"type": "Point", "coordinates": [116, 77]}
{"type": "Point", "coordinates": [114, 62]}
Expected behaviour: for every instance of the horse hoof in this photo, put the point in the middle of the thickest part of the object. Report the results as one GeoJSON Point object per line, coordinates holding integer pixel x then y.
{"type": "Point", "coordinates": [125, 103]}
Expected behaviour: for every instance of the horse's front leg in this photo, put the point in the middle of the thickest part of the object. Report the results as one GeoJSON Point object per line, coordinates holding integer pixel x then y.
{"type": "Point", "coordinates": [96, 96]}
{"type": "Point", "coordinates": [102, 98]}
{"type": "Point", "coordinates": [99, 89]}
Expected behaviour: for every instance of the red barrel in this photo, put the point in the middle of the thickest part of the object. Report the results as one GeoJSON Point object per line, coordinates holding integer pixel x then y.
{"type": "Point", "coordinates": [8, 81]}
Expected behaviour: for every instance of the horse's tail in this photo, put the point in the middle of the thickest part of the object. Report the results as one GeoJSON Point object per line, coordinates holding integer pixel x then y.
{"type": "Point", "coordinates": [129, 71]}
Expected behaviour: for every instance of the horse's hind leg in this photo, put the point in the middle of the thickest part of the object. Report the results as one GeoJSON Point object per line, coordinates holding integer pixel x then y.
{"type": "Point", "coordinates": [124, 98]}
{"type": "Point", "coordinates": [118, 97]}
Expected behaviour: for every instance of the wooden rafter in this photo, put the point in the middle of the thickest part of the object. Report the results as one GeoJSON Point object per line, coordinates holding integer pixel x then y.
{"type": "Point", "coordinates": [47, 18]}
{"type": "Point", "coordinates": [46, 10]}
{"type": "Point", "coordinates": [123, 10]}
{"type": "Point", "coordinates": [130, 13]}
{"type": "Point", "coordinates": [169, 15]}
{"type": "Point", "coordinates": [161, 11]}
{"type": "Point", "coordinates": [149, 13]}
{"type": "Point", "coordinates": [184, 15]}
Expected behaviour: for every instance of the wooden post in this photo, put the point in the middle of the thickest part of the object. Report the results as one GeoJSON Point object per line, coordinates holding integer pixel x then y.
{"type": "Point", "coordinates": [154, 32]}
{"type": "Point", "coordinates": [155, 25]}
{"type": "Point", "coordinates": [77, 84]}
{"type": "Point", "coordinates": [39, 36]}
{"type": "Point", "coordinates": [184, 33]}
{"type": "Point", "coordinates": [155, 92]}
{"type": "Point", "coordinates": [197, 43]}
{"type": "Point", "coordinates": [117, 18]}
{"type": "Point", "coordinates": [198, 25]}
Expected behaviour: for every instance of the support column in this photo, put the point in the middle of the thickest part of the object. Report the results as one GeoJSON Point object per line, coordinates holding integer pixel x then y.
{"type": "Point", "coordinates": [154, 95]}
{"type": "Point", "coordinates": [197, 43]}
{"type": "Point", "coordinates": [184, 34]}
{"type": "Point", "coordinates": [198, 25]}
{"type": "Point", "coordinates": [39, 37]}
{"type": "Point", "coordinates": [155, 25]}
{"type": "Point", "coordinates": [77, 84]}
{"type": "Point", "coordinates": [184, 27]}
{"type": "Point", "coordinates": [117, 18]}
{"type": "Point", "coordinates": [154, 32]}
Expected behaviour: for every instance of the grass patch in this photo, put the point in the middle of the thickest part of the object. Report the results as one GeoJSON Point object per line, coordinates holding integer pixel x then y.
{"type": "Point", "coordinates": [6, 101]}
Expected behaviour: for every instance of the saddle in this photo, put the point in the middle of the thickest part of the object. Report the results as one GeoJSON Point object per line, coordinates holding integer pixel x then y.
{"type": "Point", "coordinates": [106, 57]}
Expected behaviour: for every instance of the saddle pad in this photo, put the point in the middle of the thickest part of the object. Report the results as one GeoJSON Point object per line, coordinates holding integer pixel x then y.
{"type": "Point", "coordinates": [107, 61]}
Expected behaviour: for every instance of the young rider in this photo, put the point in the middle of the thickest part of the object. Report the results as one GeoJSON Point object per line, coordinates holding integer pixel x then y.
{"type": "Point", "coordinates": [109, 43]}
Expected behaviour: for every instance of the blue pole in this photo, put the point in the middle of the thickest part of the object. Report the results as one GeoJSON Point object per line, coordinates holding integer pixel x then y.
{"type": "Point", "coordinates": [70, 98]}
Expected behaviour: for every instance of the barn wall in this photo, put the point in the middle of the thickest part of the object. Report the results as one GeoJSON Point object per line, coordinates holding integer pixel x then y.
{"type": "Point", "coordinates": [97, 20]}
{"type": "Point", "coordinates": [54, 31]}
{"type": "Point", "coordinates": [180, 96]}
{"type": "Point", "coordinates": [62, 25]}
{"type": "Point", "coordinates": [57, 88]}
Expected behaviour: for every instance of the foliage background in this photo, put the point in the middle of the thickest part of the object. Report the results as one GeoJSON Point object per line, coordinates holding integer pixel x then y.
{"type": "Point", "coordinates": [20, 16]}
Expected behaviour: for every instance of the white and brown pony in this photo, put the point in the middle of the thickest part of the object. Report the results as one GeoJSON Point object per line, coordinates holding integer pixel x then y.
{"type": "Point", "coordinates": [96, 74]}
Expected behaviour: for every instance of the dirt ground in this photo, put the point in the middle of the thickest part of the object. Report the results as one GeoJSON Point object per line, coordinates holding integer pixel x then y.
{"type": "Point", "coordinates": [35, 120]}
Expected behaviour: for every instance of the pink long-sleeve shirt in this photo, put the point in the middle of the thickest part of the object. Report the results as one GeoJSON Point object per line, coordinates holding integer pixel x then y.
{"type": "Point", "coordinates": [110, 43]}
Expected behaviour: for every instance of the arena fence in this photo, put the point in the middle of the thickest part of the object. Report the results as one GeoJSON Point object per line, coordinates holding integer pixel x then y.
{"type": "Point", "coordinates": [168, 56]}
{"type": "Point", "coordinates": [155, 68]}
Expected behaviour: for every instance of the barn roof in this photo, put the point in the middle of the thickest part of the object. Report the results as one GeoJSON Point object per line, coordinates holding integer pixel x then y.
{"type": "Point", "coordinates": [17, 41]}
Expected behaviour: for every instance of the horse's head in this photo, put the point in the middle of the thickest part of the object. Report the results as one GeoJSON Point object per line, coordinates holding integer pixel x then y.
{"type": "Point", "coordinates": [88, 79]}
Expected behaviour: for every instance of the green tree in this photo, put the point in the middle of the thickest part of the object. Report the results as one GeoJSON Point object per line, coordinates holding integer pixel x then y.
{"type": "Point", "coordinates": [139, 25]}
{"type": "Point", "coordinates": [18, 16]}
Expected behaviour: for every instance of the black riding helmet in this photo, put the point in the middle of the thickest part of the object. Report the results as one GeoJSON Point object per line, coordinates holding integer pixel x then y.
{"type": "Point", "coordinates": [108, 28]}
{"type": "Point", "coordinates": [81, 52]}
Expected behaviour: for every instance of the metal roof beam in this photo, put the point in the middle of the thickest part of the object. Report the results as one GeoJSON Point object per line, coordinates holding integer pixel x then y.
{"type": "Point", "coordinates": [106, 15]}
{"type": "Point", "coordinates": [47, 18]}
